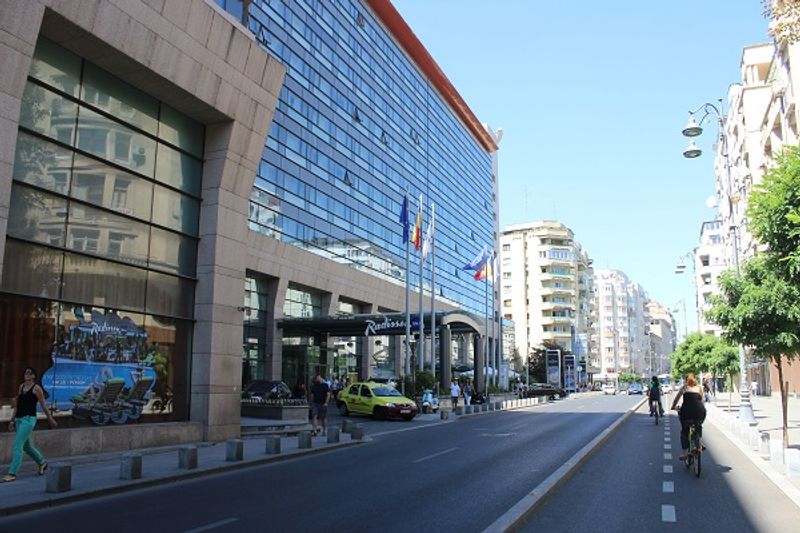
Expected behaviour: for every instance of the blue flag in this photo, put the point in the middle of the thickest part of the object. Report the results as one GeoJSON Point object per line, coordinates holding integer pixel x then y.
{"type": "Point", "coordinates": [479, 261]}
{"type": "Point", "coordinates": [404, 218]}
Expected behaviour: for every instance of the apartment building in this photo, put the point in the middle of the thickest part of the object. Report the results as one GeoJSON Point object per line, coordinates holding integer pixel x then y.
{"type": "Point", "coordinates": [546, 283]}
{"type": "Point", "coordinates": [709, 263]}
{"type": "Point", "coordinates": [661, 339]}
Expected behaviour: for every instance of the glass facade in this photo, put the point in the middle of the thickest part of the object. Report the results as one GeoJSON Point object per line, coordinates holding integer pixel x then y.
{"type": "Point", "coordinates": [97, 288]}
{"type": "Point", "coordinates": [356, 126]}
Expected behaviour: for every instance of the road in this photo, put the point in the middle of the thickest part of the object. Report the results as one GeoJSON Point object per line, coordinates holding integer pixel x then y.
{"type": "Point", "coordinates": [455, 476]}
{"type": "Point", "coordinates": [627, 486]}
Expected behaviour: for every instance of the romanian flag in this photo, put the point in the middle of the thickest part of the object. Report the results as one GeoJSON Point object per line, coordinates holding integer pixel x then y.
{"type": "Point", "coordinates": [416, 236]}
{"type": "Point", "coordinates": [484, 269]}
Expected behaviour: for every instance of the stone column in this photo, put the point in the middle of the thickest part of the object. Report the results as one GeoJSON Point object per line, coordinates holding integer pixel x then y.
{"type": "Point", "coordinates": [446, 372]}
{"type": "Point", "coordinates": [479, 363]}
{"type": "Point", "coordinates": [276, 296]}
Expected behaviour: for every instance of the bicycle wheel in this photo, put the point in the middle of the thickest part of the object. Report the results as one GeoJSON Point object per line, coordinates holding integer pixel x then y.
{"type": "Point", "coordinates": [655, 415]}
{"type": "Point", "coordinates": [696, 463]}
{"type": "Point", "coordinates": [697, 452]}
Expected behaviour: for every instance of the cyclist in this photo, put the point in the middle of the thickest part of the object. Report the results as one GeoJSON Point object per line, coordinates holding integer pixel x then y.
{"type": "Point", "coordinates": [654, 394]}
{"type": "Point", "coordinates": [692, 410]}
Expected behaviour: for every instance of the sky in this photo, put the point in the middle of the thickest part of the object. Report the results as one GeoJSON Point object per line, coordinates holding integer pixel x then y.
{"type": "Point", "coordinates": [592, 97]}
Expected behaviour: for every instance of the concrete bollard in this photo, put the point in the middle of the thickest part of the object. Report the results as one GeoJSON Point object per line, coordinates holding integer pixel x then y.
{"type": "Point", "coordinates": [59, 477]}
{"type": "Point", "coordinates": [498, 406]}
{"type": "Point", "coordinates": [444, 415]}
{"type": "Point", "coordinates": [273, 444]}
{"type": "Point", "coordinates": [459, 410]}
{"type": "Point", "coordinates": [753, 438]}
{"type": "Point", "coordinates": [491, 406]}
{"type": "Point", "coordinates": [484, 408]}
{"type": "Point", "coordinates": [776, 454]}
{"type": "Point", "coordinates": [792, 459]}
{"type": "Point", "coordinates": [333, 435]}
{"type": "Point", "coordinates": [234, 450]}
{"type": "Point", "coordinates": [304, 439]}
{"type": "Point", "coordinates": [187, 457]}
{"type": "Point", "coordinates": [468, 409]}
{"type": "Point", "coordinates": [357, 433]}
{"type": "Point", "coordinates": [347, 426]}
{"type": "Point", "coordinates": [130, 467]}
{"type": "Point", "coordinates": [763, 445]}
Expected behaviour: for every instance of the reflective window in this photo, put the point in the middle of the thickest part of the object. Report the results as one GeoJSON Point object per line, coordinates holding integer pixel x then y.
{"type": "Point", "coordinates": [175, 210]}
{"type": "Point", "coordinates": [119, 99]}
{"type": "Point", "coordinates": [172, 252]}
{"type": "Point", "coordinates": [93, 280]}
{"type": "Point", "coordinates": [178, 170]}
{"type": "Point", "coordinates": [56, 66]}
{"type": "Point", "coordinates": [110, 140]}
{"type": "Point", "coordinates": [99, 232]}
{"type": "Point", "coordinates": [112, 188]}
{"type": "Point", "coordinates": [30, 269]}
{"type": "Point", "coordinates": [43, 164]}
{"type": "Point", "coordinates": [181, 131]}
{"type": "Point", "coordinates": [169, 295]}
{"type": "Point", "coordinates": [48, 113]}
{"type": "Point", "coordinates": [35, 215]}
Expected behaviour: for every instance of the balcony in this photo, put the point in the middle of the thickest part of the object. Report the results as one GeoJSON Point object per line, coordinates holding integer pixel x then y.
{"type": "Point", "coordinates": [551, 320]}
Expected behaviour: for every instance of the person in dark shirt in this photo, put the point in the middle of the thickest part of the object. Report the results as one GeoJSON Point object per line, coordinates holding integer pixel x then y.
{"type": "Point", "coordinates": [320, 396]}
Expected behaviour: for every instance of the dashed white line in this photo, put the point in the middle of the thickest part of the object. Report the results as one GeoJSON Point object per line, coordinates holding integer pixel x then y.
{"type": "Point", "coordinates": [213, 525]}
{"type": "Point", "coordinates": [668, 446]}
{"type": "Point", "coordinates": [668, 513]}
{"type": "Point", "coordinates": [434, 455]}
{"type": "Point", "coordinates": [667, 486]}
{"type": "Point", "coordinates": [668, 457]}
{"type": "Point", "coordinates": [667, 469]}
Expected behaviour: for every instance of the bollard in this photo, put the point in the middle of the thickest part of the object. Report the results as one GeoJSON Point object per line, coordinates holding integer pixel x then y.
{"type": "Point", "coordinates": [357, 433]}
{"type": "Point", "coordinates": [131, 466]}
{"type": "Point", "coordinates": [273, 444]}
{"type": "Point", "coordinates": [59, 477]}
{"type": "Point", "coordinates": [333, 435]}
{"type": "Point", "coordinates": [187, 457]}
{"type": "Point", "coordinates": [347, 426]}
{"type": "Point", "coordinates": [460, 410]}
{"type": "Point", "coordinates": [498, 406]}
{"type": "Point", "coordinates": [776, 453]}
{"type": "Point", "coordinates": [792, 458]}
{"type": "Point", "coordinates": [490, 405]}
{"type": "Point", "coordinates": [304, 439]}
{"type": "Point", "coordinates": [234, 450]}
{"type": "Point", "coordinates": [468, 409]}
{"type": "Point", "coordinates": [444, 414]}
{"type": "Point", "coordinates": [753, 438]}
{"type": "Point", "coordinates": [484, 408]}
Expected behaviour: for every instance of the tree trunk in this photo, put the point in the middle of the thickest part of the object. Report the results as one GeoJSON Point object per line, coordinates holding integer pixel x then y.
{"type": "Point", "coordinates": [784, 403]}
{"type": "Point", "coordinates": [730, 391]}
{"type": "Point", "coordinates": [714, 385]}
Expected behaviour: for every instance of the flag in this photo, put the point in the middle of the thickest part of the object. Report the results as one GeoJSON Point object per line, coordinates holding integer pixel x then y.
{"type": "Point", "coordinates": [427, 243]}
{"type": "Point", "coordinates": [483, 269]}
{"type": "Point", "coordinates": [478, 261]}
{"type": "Point", "coordinates": [417, 236]}
{"type": "Point", "coordinates": [404, 218]}
{"type": "Point", "coordinates": [495, 271]}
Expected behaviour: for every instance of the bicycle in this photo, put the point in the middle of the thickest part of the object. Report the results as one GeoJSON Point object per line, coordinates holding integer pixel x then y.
{"type": "Point", "coordinates": [693, 457]}
{"type": "Point", "coordinates": [654, 410]}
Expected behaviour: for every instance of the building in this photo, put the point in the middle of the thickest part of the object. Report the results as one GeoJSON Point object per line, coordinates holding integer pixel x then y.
{"type": "Point", "coordinates": [196, 195]}
{"type": "Point", "coordinates": [709, 263]}
{"type": "Point", "coordinates": [661, 337]}
{"type": "Point", "coordinates": [546, 284]}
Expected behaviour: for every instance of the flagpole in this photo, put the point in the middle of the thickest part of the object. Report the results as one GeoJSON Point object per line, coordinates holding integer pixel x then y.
{"type": "Point", "coordinates": [433, 291]}
{"type": "Point", "coordinates": [421, 343]}
{"type": "Point", "coordinates": [407, 351]}
{"type": "Point", "coordinates": [495, 353]}
{"type": "Point", "coordinates": [486, 325]}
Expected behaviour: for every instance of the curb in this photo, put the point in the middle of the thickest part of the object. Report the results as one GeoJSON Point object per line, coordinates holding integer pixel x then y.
{"type": "Point", "coordinates": [52, 500]}
{"type": "Point", "coordinates": [516, 516]}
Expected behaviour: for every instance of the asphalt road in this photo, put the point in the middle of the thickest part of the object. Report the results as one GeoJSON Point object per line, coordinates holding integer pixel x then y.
{"type": "Point", "coordinates": [458, 476]}
{"type": "Point", "coordinates": [625, 486]}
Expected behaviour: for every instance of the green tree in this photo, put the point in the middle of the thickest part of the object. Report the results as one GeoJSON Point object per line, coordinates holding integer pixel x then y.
{"type": "Point", "coordinates": [760, 309]}
{"type": "Point", "coordinates": [629, 378]}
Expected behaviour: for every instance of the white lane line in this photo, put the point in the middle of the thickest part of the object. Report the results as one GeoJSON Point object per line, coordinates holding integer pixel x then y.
{"type": "Point", "coordinates": [668, 446]}
{"type": "Point", "coordinates": [667, 469]}
{"type": "Point", "coordinates": [668, 457]}
{"type": "Point", "coordinates": [667, 486]}
{"type": "Point", "coordinates": [213, 525]}
{"type": "Point", "coordinates": [667, 438]}
{"type": "Point", "coordinates": [434, 455]}
{"type": "Point", "coordinates": [668, 513]}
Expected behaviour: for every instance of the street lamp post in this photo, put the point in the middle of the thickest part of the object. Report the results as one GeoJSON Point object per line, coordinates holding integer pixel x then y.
{"type": "Point", "coordinates": [694, 129]}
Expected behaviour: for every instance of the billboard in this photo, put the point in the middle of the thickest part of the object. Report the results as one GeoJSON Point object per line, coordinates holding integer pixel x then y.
{"type": "Point", "coordinates": [553, 366]}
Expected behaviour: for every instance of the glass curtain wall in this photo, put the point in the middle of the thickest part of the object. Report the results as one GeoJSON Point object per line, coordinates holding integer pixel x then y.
{"type": "Point", "coordinates": [97, 288]}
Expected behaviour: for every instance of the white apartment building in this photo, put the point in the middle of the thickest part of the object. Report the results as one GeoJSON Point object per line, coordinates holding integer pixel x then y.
{"type": "Point", "coordinates": [709, 263]}
{"type": "Point", "coordinates": [621, 325]}
{"type": "Point", "coordinates": [546, 285]}
{"type": "Point", "coordinates": [661, 337]}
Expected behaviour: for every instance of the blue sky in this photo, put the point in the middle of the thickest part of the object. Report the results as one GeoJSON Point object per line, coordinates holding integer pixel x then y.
{"type": "Point", "coordinates": [592, 97]}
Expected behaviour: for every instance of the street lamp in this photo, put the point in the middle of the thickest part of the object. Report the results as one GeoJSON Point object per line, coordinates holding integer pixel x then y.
{"type": "Point", "coordinates": [694, 129]}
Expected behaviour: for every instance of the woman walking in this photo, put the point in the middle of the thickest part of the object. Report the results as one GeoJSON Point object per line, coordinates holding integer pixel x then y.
{"type": "Point", "coordinates": [23, 421]}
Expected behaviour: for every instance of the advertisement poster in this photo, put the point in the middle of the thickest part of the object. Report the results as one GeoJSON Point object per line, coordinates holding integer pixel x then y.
{"type": "Point", "coordinates": [569, 373]}
{"type": "Point", "coordinates": [102, 369]}
{"type": "Point", "coordinates": [553, 364]}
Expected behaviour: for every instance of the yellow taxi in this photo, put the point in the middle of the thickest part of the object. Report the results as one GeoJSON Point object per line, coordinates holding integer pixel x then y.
{"type": "Point", "coordinates": [377, 399]}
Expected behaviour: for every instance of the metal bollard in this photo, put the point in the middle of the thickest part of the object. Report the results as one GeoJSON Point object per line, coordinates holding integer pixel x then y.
{"type": "Point", "coordinates": [234, 450]}
{"type": "Point", "coordinates": [304, 439]}
{"type": "Point", "coordinates": [333, 435]}
{"type": "Point", "coordinates": [459, 410]}
{"type": "Point", "coordinates": [273, 444]}
{"type": "Point", "coordinates": [444, 414]}
{"type": "Point", "coordinates": [130, 467]}
{"type": "Point", "coordinates": [59, 477]}
{"type": "Point", "coordinates": [187, 457]}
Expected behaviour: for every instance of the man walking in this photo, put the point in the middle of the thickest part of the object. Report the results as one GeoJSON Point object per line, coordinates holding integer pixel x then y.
{"type": "Point", "coordinates": [320, 396]}
{"type": "Point", "coordinates": [455, 392]}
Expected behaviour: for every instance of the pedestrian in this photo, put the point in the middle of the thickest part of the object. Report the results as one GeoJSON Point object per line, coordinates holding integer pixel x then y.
{"type": "Point", "coordinates": [320, 396]}
{"type": "Point", "coordinates": [467, 391]}
{"type": "Point", "coordinates": [23, 421]}
{"type": "Point", "coordinates": [754, 388]}
{"type": "Point", "coordinates": [707, 391]}
{"type": "Point", "coordinates": [455, 392]}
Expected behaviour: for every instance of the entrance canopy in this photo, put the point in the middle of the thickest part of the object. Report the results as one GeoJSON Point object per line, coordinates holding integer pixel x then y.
{"type": "Point", "coordinates": [379, 324]}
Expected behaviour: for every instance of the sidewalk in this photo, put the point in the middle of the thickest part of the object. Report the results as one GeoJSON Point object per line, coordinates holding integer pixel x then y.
{"type": "Point", "coordinates": [763, 443]}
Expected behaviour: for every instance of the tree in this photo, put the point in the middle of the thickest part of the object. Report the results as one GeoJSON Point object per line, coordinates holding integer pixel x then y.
{"type": "Point", "coordinates": [760, 309]}
{"type": "Point", "coordinates": [784, 18]}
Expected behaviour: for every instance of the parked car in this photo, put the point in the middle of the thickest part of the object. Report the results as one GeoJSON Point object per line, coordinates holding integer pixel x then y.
{"type": "Point", "coordinates": [545, 389]}
{"type": "Point", "coordinates": [609, 388]}
{"type": "Point", "coordinates": [666, 388]}
{"type": "Point", "coordinates": [635, 388]}
{"type": "Point", "coordinates": [377, 399]}
{"type": "Point", "coordinates": [263, 389]}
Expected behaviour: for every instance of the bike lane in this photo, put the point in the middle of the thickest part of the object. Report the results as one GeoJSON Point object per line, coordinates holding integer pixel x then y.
{"type": "Point", "coordinates": [635, 480]}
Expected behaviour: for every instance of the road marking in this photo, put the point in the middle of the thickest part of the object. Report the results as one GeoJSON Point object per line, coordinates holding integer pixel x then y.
{"type": "Point", "coordinates": [668, 446]}
{"type": "Point", "coordinates": [213, 525]}
{"type": "Point", "coordinates": [668, 456]}
{"type": "Point", "coordinates": [668, 513]}
{"type": "Point", "coordinates": [667, 486]}
{"type": "Point", "coordinates": [667, 469]}
{"type": "Point", "coordinates": [667, 438]}
{"type": "Point", "coordinates": [434, 455]}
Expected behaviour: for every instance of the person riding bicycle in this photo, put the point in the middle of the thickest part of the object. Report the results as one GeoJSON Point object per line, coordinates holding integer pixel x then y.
{"type": "Point", "coordinates": [654, 395]}
{"type": "Point", "coordinates": [693, 410]}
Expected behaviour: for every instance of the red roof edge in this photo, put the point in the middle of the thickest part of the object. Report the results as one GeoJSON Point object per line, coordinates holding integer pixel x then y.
{"type": "Point", "coordinates": [419, 54]}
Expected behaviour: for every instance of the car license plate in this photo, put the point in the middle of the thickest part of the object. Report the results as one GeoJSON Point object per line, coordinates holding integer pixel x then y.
{"type": "Point", "coordinates": [405, 411]}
